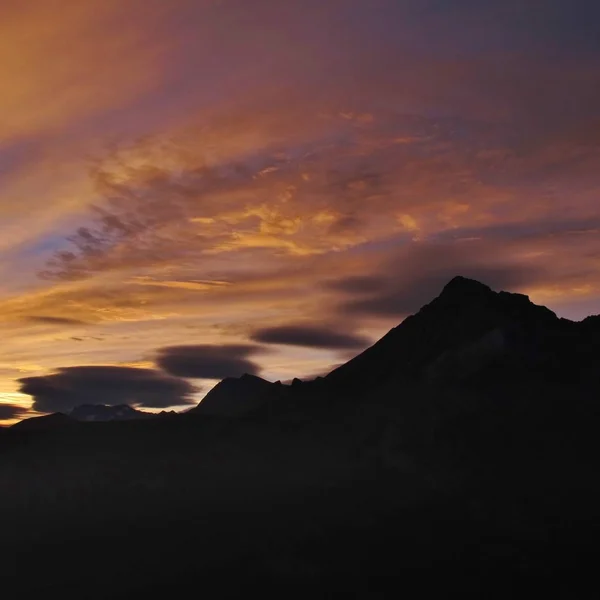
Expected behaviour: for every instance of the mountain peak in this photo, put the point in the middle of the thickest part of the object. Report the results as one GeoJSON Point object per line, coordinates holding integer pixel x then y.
{"type": "Point", "coordinates": [248, 377]}
{"type": "Point", "coordinates": [460, 286]}
{"type": "Point", "coordinates": [464, 294]}
{"type": "Point", "coordinates": [234, 396]}
{"type": "Point", "coordinates": [467, 318]}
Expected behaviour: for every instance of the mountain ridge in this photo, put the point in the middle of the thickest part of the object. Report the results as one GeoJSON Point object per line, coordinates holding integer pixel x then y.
{"type": "Point", "coordinates": [464, 330]}
{"type": "Point", "coordinates": [107, 412]}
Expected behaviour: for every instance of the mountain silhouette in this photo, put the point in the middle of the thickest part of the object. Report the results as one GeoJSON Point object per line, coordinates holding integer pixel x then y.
{"type": "Point", "coordinates": [103, 412]}
{"type": "Point", "coordinates": [234, 396]}
{"type": "Point", "coordinates": [52, 421]}
{"type": "Point", "coordinates": [459, 453]}
{"type": "Point", "coordinates": [467, 314]}
{"type": "Point", "coordinates": [468, 336]}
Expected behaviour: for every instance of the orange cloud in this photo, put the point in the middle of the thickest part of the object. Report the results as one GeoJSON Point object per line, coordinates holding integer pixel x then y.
{"type": "Point", "coordinates": [67, 60]}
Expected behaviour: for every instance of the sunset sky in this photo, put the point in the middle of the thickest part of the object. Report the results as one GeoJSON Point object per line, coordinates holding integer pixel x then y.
{"type": "Point", "coordinates": [201, 188]}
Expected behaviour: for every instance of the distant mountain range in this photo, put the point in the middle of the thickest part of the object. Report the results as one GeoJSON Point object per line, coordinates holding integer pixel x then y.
{"type": "Point", "coordinates": [88, 413]}
{"type": "Point", "coordinates": [102, 412]}
{"type": "Point", "coordinates": [460, 452]}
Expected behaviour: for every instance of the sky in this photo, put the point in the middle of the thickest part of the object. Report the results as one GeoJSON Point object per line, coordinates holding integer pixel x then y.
{"type": "Point", "coordinates": [194, 189]}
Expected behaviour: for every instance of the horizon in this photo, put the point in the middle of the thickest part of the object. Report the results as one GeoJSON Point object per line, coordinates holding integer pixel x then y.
{"type": "Point", "coordinates": [287, 382]}
{"type": "Point", "coordinates": [192, 190]}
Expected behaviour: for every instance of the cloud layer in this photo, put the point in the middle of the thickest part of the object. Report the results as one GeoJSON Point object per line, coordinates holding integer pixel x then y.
{"type": "Point", "coordinates": [73, 386]}
{"type": "Point", "coordinates": [310, 337]}
{"type": "Point", "coordinates": [208, 362]}
{"type": "Point", "coordinates": [416, 273]}
{"type": "Point", "coordinates": [11, 411]}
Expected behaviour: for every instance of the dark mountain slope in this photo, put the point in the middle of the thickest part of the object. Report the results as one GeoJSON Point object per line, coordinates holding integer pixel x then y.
{"type": "Point", "coordinates": [55, 420]}
{"type": "Point", "coordinates": [462, 314]}
{"type": "Point", "coordinates": [236, 396]}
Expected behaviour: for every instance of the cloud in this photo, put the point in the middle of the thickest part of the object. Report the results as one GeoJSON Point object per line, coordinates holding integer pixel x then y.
{"type": "Point", "coordinates": [72, 386]}
{"type": "Point", "coordinates": [352, 182]}
{"type": "Point", "coordinates": [357, 284]}
{"type": "Point", "coordinates": [328, 193]}
{"type": "Point", "coordinates": [55, 320]}
{"type": "Point", "coordinates": [208, 361]}
{"type": "Point", "coordinates": [200, 286]}
{"type": "Point", "coordinates": [11, 411]}
{"type": "Point", "coordinates": [416, 273]}
{"type": "Point", "coordinates": [310, 337]}
{"type": "Point", "coordinates": [77, 82]}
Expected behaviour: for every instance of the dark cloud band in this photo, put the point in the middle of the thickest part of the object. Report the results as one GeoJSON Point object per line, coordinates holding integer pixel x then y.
{"type": "Point", "coordinates": [310, 337]}
{"type": "Point", "coordinates": [73, 386]}
{"type": "Point", "coordinates": [11, 411]}
{"type": "Point", "coordinates": [47, 320]}
{"type": "Point", "coordinates": [413, 275]}
{"type": "Point", "coordinates": [205, 361]}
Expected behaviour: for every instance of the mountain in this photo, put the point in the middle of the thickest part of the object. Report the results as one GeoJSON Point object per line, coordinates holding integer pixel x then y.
{"type": "Point", "coordinates": [103, 412]}
{"type": "Point", "coordinates": [45, 422]}
{"type": "Point", "coordinates": [469, 338]}
{"type": "Point", "coordinates": [467, 322]}
{"type": "Point", "coordinates": [458, 454]}
{"type": "Point", "coordinates": [235, 396]}
{"type": "Point", "coordinates": [84, 413]}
